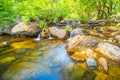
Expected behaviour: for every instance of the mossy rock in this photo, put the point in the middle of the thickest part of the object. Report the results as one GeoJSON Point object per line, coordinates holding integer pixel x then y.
{"type": "Point", "coordinates": [7, 59]}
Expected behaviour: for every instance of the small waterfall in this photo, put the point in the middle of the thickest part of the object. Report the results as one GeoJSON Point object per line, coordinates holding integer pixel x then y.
{"type": "Point", "coordinates": [38, 38]}
{"type": "Point", "coordinates": [50, 37]}
{"type": "Point", "coordinates": [67, 24]}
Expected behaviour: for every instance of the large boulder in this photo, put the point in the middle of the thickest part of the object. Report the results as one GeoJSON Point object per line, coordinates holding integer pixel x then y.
{"type": "Point", "coordinates": [23, 29]}
{"type": "Point", "coordinates": [77, 31]}
{"type": "Point", "coordinates": [58, 33]}
{"type": "Point", "coordinates": [80, 41]}
{"type": "Point", "coordinates": [109, 50]}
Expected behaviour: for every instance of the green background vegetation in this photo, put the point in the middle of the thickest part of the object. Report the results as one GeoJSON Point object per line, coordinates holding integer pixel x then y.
{"type": "Point", "coordinates": [55, 10]}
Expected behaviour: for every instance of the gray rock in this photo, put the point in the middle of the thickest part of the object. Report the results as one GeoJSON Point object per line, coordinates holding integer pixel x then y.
{"type": "Point", "coordinates": [91, 62]}
{"type": "Point", "coordinates": [77, 31]}
{"type": "Point", "coordinates": [117, 38]}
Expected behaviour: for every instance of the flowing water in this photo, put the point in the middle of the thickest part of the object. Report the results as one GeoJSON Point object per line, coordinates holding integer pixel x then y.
{"type": "Point", "coordinates": [27, 59]}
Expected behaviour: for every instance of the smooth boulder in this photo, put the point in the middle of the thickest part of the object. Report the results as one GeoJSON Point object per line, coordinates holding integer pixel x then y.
{"type": "Point", "coordinates": [77, 31]}
{"type": "Point", "coordinates": [109, 50]}
{"type": "Point", "coordinates": [22, 29]}
{"type": "Point", "coordinates": [79, 42]}
{"type": "Point", "coordinates": [58, 33]}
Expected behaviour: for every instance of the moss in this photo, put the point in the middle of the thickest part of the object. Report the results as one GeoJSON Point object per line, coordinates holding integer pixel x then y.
{"type": "Point", "coordinates": [78, 72]}
{"type": "Point", "coordinates": [6, 59]}
{"type": "Point", "coordinates": [24, 44]}
{"type": "Point", "coordinates": [100, 75]}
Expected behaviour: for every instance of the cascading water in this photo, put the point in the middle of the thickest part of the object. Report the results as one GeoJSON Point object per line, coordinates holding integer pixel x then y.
{"type": "Point", "coordinates": [38, 38]}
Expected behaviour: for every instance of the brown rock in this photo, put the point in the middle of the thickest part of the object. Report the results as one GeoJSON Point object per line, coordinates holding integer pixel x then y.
{"type": "Point", "coordinates": [23, 29]}
{"type": "Point", "coordinates": [79, 42]}
{"type": "Point", "coordinates": [58, 33]}
{"type": "Point", "coordinates": [44, 34]}
{"type": "Point", "coordinates": [102, 61]}
{"type": "Point", "coordinates": [109, 50]}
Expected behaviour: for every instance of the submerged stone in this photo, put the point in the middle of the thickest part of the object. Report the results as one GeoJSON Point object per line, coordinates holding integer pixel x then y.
{"type": "Point", "coordinates": [91, 62]}
{"type": "Point", "coordinates": [24, 44]}
{"type": "Point", "coordinates": [6, 59]}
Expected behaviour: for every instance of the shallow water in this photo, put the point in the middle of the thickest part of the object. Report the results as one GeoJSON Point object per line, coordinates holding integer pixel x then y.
{"type": "Point", "coordinates": [27, 59]}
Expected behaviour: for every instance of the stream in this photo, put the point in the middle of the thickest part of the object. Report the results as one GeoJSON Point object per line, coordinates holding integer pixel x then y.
{"type": "Point", "coordinates": [27, 59]}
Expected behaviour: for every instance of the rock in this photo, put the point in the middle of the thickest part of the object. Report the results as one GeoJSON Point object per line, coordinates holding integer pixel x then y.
{"type": "Point", "coordinates": [77, 31]}
{"type": "Point", "coordinates": [117, 38]}
{"type": "Point", "coordinates": [6, 43]}
{"type": "Point", "coordinates": [91, 62]}
{"type": "Point", "coordinates": [102, 61]}
{"type": "Point", "coordinates": [78, 42]}
{"type": "Point", "coordinates": [77, 57]}
{"type": "Point", "coordinates": [94, 23]}
{"type": "Point", "coordinates": [100, 29]}
{"type": "Point", "coordinates": [5, 30]}
{"type": "Point", "coordinates": [109, 50]}
{"type": "Point", "coordinates": [90, 32]}
{"type": "Point", "coordinates": [26, 30]}
{"type": "Point", "coordinates": [83, 54]}
{"type": "Point", "coordinates": [44, 34]}
{"type": "Point", "coordinates": [58, 33]}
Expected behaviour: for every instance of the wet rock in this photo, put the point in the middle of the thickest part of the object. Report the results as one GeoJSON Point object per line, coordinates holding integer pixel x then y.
{"type": "Point", "coordinates": [26, 71]}
{"type": "Point", "coordinates": [58, 33]}
{"type": "Point", "coordinates": [102, 61]}
{"type": "Point", "coordinates": [109, 50]}
{"type": "Point", "coordinates": [83, 54]}
{"type": "Point", "coordinates": [77, 31]}
{"type": "Point", "coordinates": [24, 44]}
{"type": "Point", "coordinates": [25, 30]}
{"type": "Point", "coordinates": [91, 62]}
{"type": "Point", "coordinates": [78, 58]}
{"type": "Point", "coordinates": [80, 41]}
{"type": "Point", "coordinates": [117, 38]}
{"type": "Point", "coordinates": [44, 34]}
{"type": "Point", "coordinates": [6, 43]}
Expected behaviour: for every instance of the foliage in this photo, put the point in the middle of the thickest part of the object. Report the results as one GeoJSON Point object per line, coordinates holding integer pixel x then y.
{"type": "Point", "coordinates": [55, 10]}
